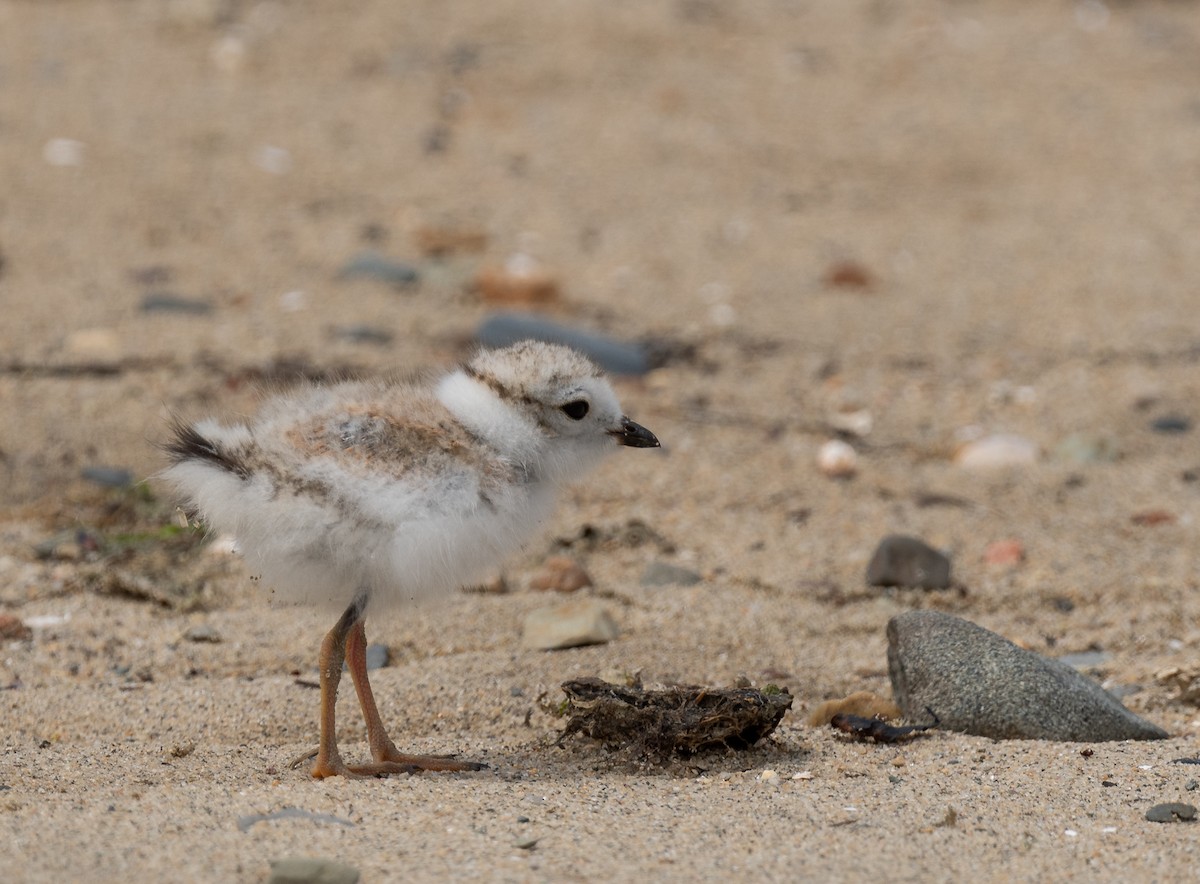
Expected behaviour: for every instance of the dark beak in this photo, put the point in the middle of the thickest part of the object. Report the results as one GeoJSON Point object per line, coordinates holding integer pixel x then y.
{"type": "Point", "coordinates": [634, 435]}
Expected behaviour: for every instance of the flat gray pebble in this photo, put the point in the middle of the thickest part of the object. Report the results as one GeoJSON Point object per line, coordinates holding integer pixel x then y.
{"type": "Point", "coordinates": [978, 682]}
{"type": "Point", "coordinates": [1170, 812]}
{"type": "Point", "coordinates": [372, 265]}
{"type": "Point", "coordinates": [362, 334]}
{"type": "Point", "coordinates": [616, 357]}
{"type": "Point", "coordinates": [907, 561]}
{"type": "Point", "coordinates": [165, 302]}
{"type": "Point", "coordinates": [202, 633]}
{"type": "Point", "coordinates": [378, 656]}
{"type": "Point", "coordinates": [310, 870]}
{"type": "Point", "coordinates": [109, 477]}
{"type": "Point", "coordinates": [291, 813]}
{"type": "Point", "coordinates": [1171, 423]}
{"type": "Point", "coordinates": [666, 574]}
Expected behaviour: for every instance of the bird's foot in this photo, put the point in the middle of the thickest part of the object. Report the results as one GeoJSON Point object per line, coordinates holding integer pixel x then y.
{"type": "Point", "coordinates": [394, 763]}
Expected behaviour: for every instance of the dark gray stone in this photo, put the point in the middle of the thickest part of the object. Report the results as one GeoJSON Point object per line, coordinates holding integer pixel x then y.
{"type": "Point", "coordinates": [666, 574]}
{"type": "Point", "coordinates": [977, 682]}
{"type": "Point", "coordinates": [1170, 812]}
{"type": "Point", "coordinates": [615, 357]}
{"type": "Point", "coordinates": [109, 477]}
{"type": "Point", "coordinates": [362, 334]}
{"type": "Point", "coordinates": [907, 561]}
{"type": "Point", "coordinates": [166, 302]}
{"type": "Point", "coordinates": [374, 266]}
{"type": "Point", "coordinates": [1171, 423]}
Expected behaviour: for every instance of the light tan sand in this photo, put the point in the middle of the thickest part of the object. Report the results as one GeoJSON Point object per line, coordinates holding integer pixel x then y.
{"type": "Point", "coordinates": [1020, 179]}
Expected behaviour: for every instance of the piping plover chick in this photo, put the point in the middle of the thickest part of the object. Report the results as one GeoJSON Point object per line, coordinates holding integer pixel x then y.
{"type": "Point", "coordinates": [367, 494]}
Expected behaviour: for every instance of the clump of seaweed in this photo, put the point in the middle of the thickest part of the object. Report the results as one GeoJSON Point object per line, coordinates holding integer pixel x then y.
{"type": "Point", "coordinates": [679, 720]}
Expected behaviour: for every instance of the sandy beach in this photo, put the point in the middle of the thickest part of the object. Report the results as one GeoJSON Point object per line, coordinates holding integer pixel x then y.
{"type": "Point", "coordinates": [907, 226]}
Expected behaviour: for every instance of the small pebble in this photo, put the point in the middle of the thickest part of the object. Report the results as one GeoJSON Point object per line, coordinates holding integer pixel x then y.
{"type": "Point", "coordinates": [64, 152]}
{"type": "Point", "coordinates": [560, 574]}
{"type": "Point", "coordinates": [378, 656]}
{"type": "Point", "coordinates": [525, 843]}
{"type": "Point", "coordinates": [909, 562]}
{"type": "Point", "coordinates": [310, 870]}
{"type": "Point", "coordinates": [1085, 448]}
{"type": "Point", "coordinates": [571, 624]}
{"type": "Point", "coordinates": [615, 357]}
{"type": "Point", "coordinates": [362, 334]}
{"type": "Point", "coordinates": [998, 451]}
{"type": "Point", "coordinates": [203, 633]}
{"type": "Point", "coordinates": [666, 574]}
{"type": "Point", "coordinates": [837, 459]}
{"type": "Point", "coordinates": [1170, 812]}
{"type": "Point", "coordinates": [12, 629]}
{"type": "Point", "coordinates": [93, 345]}
{"type": "Point", "coordinates": [848, 275]}
{"type": "Point", "coordinates": [521, 280]}
{"type": "Point", "coordinates": [165, 302]}
{"type": "Point", "coordinates": [274, 160]}
{"type": "Point", "coordinates": [1085, 659]}
{"type": "Point", "coordinates": [437, 242]}
{"type": "Point", "coordinates": [372, 265]}
{"type": "Point", "coordinates": [1171, 423]}
{"type": "Point", "coordinates": [1151, 518]}
{"type": "Point", "coordinates": [108, 477]}
{"type": "Point", "coordinates": [1004, 553]}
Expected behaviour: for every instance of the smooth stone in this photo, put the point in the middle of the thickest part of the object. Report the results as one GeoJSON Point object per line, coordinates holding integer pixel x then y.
{"type": "Point", "coordinates": [666, 574]}
{"type": "Point", "coordinates": [1085, 659]}
{"type": "Point", "coordinates": [109, 477]}
{"type": "Point", "coordinates": [998, 451]}
{"type": "Point", "coordinates": [378, 656]}
{"type": "Point", "coordinates": [202, 633]}
{"type": "Point", "coordinates": [374, 266]}
{"type": "Point", "coordinates": [100, 345]}
{"type": "Point", "coordinates": [907, 561]}
{"type": "Point", "coordinates": [978, 682]}
{"type": "Point", "coordinates": [165, 302]}
{"type": "Point", "coordinates": [1084, 448]}
{"type": "Point", "coordinates": [1171, 423]}
{"type": "Point", "coordinates": [309, 870]}
{"type": "Point", "coordinates": [569, 625]}
{"type": "Point", "coordinates": [1170, 812]}
{"type": "Point", "coordinates": [362, 334]}
{"type": "Point", "coordinates": [616, 357]}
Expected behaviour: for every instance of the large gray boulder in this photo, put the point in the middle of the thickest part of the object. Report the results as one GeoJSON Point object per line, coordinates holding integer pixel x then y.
{"type": "Point", "coordinates": [977, 682]}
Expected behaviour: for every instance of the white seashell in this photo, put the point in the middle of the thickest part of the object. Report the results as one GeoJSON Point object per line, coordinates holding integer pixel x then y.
{"type": "Point", "coordinates": [837, 459]}
{"type": "Point", "coordinates": [1000, 450]}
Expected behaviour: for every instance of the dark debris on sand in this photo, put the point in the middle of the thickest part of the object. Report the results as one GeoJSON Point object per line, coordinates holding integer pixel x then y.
{"type": "Point", "coordinates": [673, 721]}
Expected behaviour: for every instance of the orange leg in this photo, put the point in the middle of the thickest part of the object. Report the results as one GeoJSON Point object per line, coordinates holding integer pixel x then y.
{"type": "Point", "coordinates": [347, 642]}
{"type": "Point", "coordinates": [387, 757]}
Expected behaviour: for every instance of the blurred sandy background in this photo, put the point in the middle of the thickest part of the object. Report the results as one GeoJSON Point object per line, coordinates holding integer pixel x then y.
{"type": "Point", "coordinates": [955, 218]}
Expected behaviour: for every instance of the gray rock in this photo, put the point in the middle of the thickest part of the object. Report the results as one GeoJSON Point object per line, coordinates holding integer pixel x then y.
{"type": "Point", "coordinates": [569, 625]}
{"type": "Point", "coordinates": [616, 357]}
{"type": "Point", "coordinates": [109, 477]}
{"type": "Point", "coordinates": [907, 561]}
{"type": "Point", "coordinates": [666, 574]}
{"type": "Point", "coordinates": [291, 813]}
{"type": "Point", "coordinates": [378, 656]}
{"type": "Point", "coordinates": [1086, 448]}
{"type": "Point", "coordinates": [1170, 812]}
{"type": "Point", "coordinates": [202, 633]}
{"type": "Point", "coordinates": [362, 334]}
{"type": "Point", "coordinates": [374, 266]}
{"type": "Point", "coordinates": [1171, 423]}
{"type": "Point", "coordinates": [977, 682]}
{"type": "Point", "coordinates": [309, 870]}
{"type": "Point", "coordinates": [167, 302]}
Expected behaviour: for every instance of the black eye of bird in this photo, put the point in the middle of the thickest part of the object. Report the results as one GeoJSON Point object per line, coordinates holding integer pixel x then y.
{"type": "Point", "coordinates": [576, 410]}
